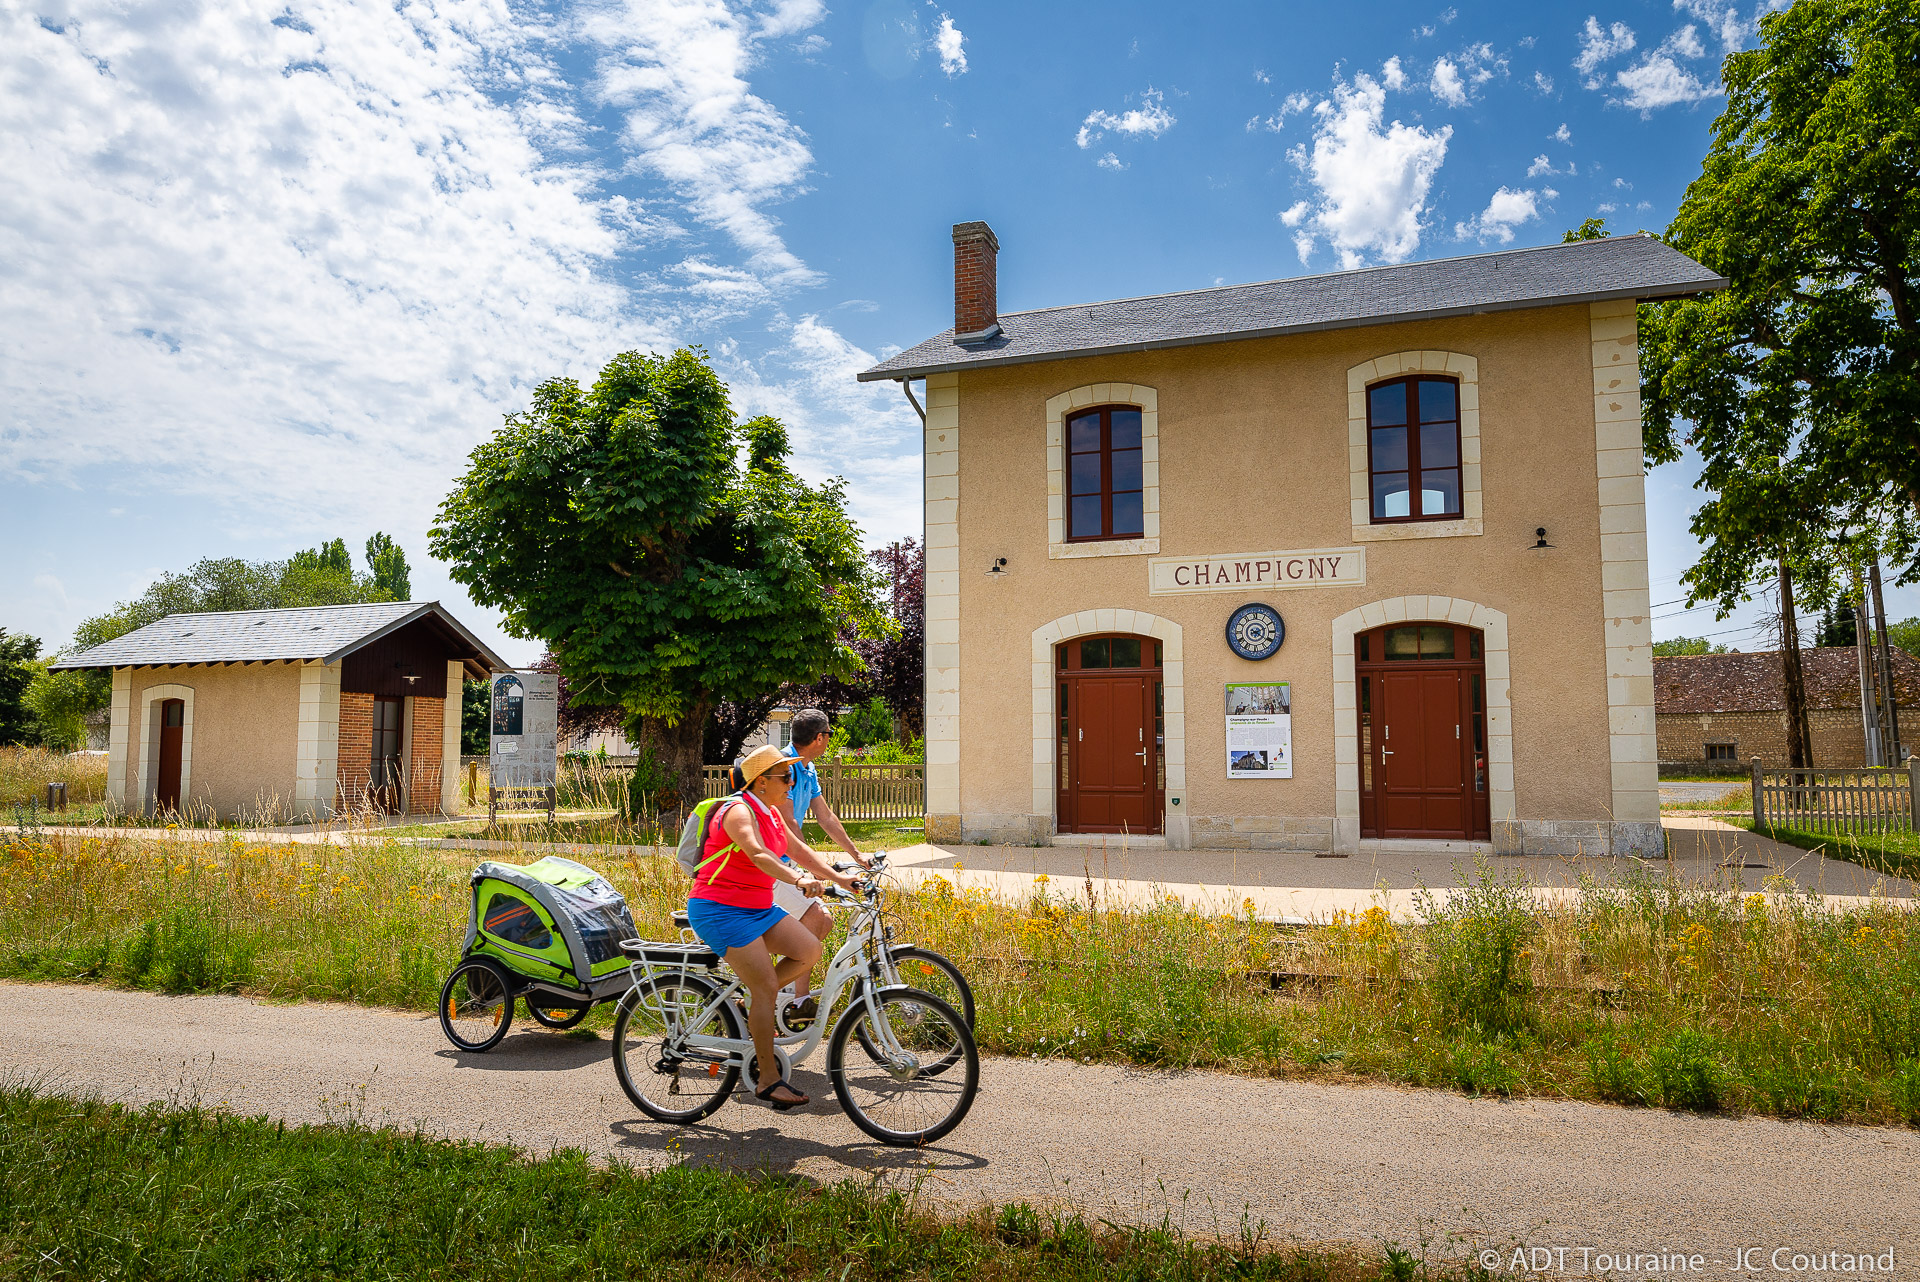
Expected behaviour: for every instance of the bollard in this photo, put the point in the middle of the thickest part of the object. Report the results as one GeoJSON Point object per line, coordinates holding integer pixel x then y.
{"type": "Point", "coordinates": [56, 797]}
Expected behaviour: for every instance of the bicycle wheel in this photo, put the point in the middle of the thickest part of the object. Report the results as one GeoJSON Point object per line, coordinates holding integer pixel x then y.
{"type": "Point", "coordinates": [888, 1093]}
{"type": "Point", "coordinates": [928, 971]}
{"type": "Point", "coordinates": [476, 1004]}
{"type": "Point", "coordinates": [550, 1014]}
{"type": "Point", "coordinates": [666, 1080]}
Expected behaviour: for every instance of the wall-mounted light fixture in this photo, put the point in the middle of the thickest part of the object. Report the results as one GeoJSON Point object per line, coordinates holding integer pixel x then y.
{"type": "Point", "coordinates": [1540, 539]}
{"type": "Point", "coordinates": [999, 566]}
{"type": "Point", "coordinates": [407, 674]}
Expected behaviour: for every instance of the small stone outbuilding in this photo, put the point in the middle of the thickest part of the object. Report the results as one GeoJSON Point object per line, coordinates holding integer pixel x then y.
{"type": "Point", "coordinates": [1720, 711]}
{"type": "Point", "coordinates": [265, 716]}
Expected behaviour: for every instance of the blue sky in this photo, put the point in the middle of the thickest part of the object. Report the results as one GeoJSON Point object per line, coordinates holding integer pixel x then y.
{"type": "Point", "coordinates": [271, 269]}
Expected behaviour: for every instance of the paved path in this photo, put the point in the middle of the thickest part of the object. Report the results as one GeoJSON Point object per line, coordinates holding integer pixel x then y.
{"type": "Point", "coordinates": [1689, 790]}
{"type": "Point", "coordinates": [1315, 1162]}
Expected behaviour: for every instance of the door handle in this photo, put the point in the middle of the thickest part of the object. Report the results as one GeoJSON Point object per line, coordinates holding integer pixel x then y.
{"type": "Point", "coordinates": [1141, 753]}
{"type": "Point", "coordinates": [1386, 752]}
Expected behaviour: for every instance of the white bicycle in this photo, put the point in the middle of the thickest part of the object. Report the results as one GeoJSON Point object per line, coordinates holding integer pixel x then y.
{"type": "Point", "coordinates": [902, 1061]}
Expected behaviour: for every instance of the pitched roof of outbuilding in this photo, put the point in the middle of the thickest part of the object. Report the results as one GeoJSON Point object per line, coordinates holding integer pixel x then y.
{"type": "Point", "coordinates": [1620, 267]}
{"type": "Point", "coordinates": [325, 632]}
{"type": "Point", "coordinates": [1696, 683]}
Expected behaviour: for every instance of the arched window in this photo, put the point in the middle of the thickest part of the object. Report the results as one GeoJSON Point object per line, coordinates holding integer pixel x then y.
{"type": "Point", "coordinates": [1105, 474]}
{"type": "Point", "coordinates": [1413, 449]}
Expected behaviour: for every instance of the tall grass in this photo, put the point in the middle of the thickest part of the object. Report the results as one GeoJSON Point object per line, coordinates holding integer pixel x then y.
{"type": "Point", "coordinates": [93, 1191]}
{"type": "Point", "coordinates": [1657, 992]}
{"type": "Point", "coordinates": [26, 772]}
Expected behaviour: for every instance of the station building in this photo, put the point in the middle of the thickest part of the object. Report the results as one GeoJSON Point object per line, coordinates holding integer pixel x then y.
{"type": "Point", "coordinates": [1298, 566]}
{"type": "Point", "coordinates": [262, 716]}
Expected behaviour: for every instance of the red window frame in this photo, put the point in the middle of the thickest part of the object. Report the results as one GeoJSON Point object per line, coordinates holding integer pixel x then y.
{"type": "Point", "coordinates": [1107, 492]}
{"type": "Point", "coordinates": [1416, 491]}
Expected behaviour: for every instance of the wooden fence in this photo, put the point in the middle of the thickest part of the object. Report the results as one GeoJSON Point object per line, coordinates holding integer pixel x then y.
{"type": "Point", "coordinates": [1838, 802]}
{"type": "Point", "coordinates": [859, 791]}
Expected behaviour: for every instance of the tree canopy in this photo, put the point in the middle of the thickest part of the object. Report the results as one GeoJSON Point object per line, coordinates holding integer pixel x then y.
{"type": "Point", "coordinates": [17, 669]}
{"type": "Point", "coordinates": [1799, 384]}
{"type": "Point", "coordinates": [316, 576]}
{"type": "Point", "coordinates": [1687, 645]}
{"type": "Point", "coordinates": [620, 524]}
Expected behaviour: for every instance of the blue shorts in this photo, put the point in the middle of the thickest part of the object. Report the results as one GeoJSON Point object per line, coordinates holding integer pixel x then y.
{"type": "Point", "coordinates": [723, 926]}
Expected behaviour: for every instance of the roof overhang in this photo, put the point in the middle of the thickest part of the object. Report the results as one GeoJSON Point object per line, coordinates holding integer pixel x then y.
{"type": "Point", "coordinates": [880, 373]}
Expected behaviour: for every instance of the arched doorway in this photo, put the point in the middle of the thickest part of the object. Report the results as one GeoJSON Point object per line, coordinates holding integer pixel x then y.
{"type": "Point", "coordinates": [1110, 709]}
{"type": "Point", "coordinates": [172, 718]}
{"type": "Point", "coordinates": [1422, 691]}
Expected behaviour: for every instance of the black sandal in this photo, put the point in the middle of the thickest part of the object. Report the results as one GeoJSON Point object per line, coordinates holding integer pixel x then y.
{"type": "Point", "coordinates": [781, 1105]}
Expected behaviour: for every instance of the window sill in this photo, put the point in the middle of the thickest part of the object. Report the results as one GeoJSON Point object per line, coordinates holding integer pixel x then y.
{"type": "Point", "coordinates": [1465, 528]}
{"type": "Point", "coordinates": [1104, 547]}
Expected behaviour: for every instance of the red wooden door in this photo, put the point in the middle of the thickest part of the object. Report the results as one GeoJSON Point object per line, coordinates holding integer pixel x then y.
{"type": "Point", "coordinates": [166, 792]}
{"type": "Point", "coordinates": [1422, 732]}
{"type": "Point", "coordinates": [1109, 690]}
{"type": "Point", "coordinates": [1421, 779]}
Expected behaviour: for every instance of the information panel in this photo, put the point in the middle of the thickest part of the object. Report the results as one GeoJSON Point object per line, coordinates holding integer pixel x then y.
{"type": "Point", "coordinates": [1260, 731]}
{"type": "Point", "coordinates": [523, 746]}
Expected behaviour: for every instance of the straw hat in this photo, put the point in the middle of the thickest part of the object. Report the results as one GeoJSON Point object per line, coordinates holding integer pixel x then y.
{"type": "Point", "coordinates": [758, 762]}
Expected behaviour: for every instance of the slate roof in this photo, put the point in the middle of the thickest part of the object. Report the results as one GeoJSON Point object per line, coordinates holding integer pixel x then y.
{"type": "Point", "coordinates": [1697, 683]}
{"type": "Point", "coordinates": [1638, 267]}
{"type": "Point", "coordinates": [325, 632]}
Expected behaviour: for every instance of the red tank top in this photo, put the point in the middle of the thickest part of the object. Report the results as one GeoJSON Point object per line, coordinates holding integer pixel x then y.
{"type": "Point", "coordinates": [733, 878]}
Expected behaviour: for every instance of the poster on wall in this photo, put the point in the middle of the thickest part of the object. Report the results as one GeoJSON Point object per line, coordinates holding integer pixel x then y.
{"type": "Point", "coordinates": [1260, 731]}
{"type": "Point", "coordinates": [523, 725]}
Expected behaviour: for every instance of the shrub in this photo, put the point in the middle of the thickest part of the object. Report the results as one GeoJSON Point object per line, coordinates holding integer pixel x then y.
{"type": "Point", "coordinates": [1612, 1073]}
{"type": "Point", "coordinates": [1477, 939]}
{"type": "Point", "coordinates": [1687, 1071]}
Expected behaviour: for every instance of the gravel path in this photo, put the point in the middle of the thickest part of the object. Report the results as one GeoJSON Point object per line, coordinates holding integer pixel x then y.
{"type": "Point", "coordinates": [1315, 1162]}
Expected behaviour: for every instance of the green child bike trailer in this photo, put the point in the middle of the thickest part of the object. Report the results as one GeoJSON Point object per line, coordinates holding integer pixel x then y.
{"type": "Point", "coordinates": [549, 932]}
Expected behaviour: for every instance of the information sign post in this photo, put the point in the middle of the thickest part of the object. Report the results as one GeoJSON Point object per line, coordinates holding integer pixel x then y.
{"type": "Point", "coordinates": [523, 743]}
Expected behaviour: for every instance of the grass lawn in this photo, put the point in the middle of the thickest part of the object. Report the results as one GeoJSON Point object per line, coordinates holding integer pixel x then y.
{"type": "Point", "coordinates": [1659, 992]}
{"type": "Point", "coordinates": [94, 1191]}
{"type": "Point", "coordinates": [1897, 853]}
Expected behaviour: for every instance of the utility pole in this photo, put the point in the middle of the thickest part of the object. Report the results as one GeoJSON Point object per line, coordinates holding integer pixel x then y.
{"type": "Point", "coordinates": [1869, 707]}
{"type": "Point", "coordinates": [1896, 751]}
{"type": "Point", "coordinates": [1799, 737]}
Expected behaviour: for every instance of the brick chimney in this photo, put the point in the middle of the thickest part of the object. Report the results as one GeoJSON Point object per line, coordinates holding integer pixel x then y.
{"type": "Point", "coordinates": [976, 305]}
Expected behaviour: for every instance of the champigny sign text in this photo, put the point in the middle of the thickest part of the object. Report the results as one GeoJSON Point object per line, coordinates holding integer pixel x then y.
{"type": "Point", "coordinates": [1320, 568]}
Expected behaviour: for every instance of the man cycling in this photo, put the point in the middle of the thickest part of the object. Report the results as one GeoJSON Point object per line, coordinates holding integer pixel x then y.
{"type": "Point", "coordinates": [810, 739]}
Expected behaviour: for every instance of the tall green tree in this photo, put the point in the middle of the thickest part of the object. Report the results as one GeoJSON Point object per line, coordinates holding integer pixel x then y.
{"type": "Point", "coordinates": [17, 655]}
{"type": "Point", "coordinates": [1686, 645]}
{"type": "Point", "coordinates": [60, 702]}
{"type": "Point", "coordinates": [388, 564]}
{"type": "Point", "coordinates": [619, 524]}
{"type": "Point", "coordinates": [1799, 385]}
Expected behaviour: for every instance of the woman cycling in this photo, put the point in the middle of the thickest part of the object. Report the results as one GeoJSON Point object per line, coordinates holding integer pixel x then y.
{"type": "Point", "coordinates": [731, 906]}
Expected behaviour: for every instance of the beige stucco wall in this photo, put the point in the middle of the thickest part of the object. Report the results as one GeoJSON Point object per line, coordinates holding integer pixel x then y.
{"type": "Point", "coordinates": [244, 733]}
{"type": "Point", "coordinates": [1253, 456]}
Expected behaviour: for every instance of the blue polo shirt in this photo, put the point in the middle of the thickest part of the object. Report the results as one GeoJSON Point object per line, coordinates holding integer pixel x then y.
{"type": "Point", "coordinates": [806, 786]}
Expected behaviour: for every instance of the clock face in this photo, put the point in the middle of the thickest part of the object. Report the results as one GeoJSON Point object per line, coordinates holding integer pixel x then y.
{"type": "Point", "coordinates": [1255, 631]}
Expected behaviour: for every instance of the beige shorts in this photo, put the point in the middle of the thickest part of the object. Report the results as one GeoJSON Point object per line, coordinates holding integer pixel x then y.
{"type": "Point", "coordinates": [788, 896]}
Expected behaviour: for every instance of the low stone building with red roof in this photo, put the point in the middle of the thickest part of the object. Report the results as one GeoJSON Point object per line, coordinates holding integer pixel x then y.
{"type": "Point", "coordinates": [1723, 710]}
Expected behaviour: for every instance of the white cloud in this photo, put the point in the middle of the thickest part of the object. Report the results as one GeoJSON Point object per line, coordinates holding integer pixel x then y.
{"type": "Point", "coordinates": [1261, 77]}
{"type": "Point", "coordinates": [1605, 209]}
{"type": "Point", "coordinates": [1507, 210]}
{"type": "Point", "coordinates": [1372, 178]}
{"type": "Point", "coordinates": [1541, 165]}
{"type": "Point", "coordinates": [678, 70]}
{"type": "Point", "coordinates": [1562, 134]}
{"type": "Point", "coordinates": [1454, 78]}
{"type": "Point", "coordinates": [1542, 82]}
{"type": "Point", "coordinates": [1623, 184]}
{"type": "Point", "coordinates": [1150, 118]}
{"type": "Point", "coordinates": [1111, 161]}
{"type": "Point", "coordinates": [1597, 46]}
{"type": "Point", "coordinates": [1658, 81]}
{"type": "Point", "coordinates": [1482, 63]}
{"type": "Point", "coordinates": [1445, 84]}
{"type": "Point", "coordinates": [263, 261]}
{"type": "Point", "coordinates": [1392, 75]}
{"type": "Point", "coordinates": [1723, 19]}
{"type": "Point", "coordinates": [949, 43]}
{"type": "Point", "coordinates": [1292, 105]}
{"type": "Point", "coordinates": [1550, 193]}
{"type": "Point", "coordinates": [1296, 214]}
{"type": "Point", "coordinates": [1685, 42]}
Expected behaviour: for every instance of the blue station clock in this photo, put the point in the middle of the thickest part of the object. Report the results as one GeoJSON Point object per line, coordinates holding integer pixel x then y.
{"type": "Point", "coordinates": [1255, 631]}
